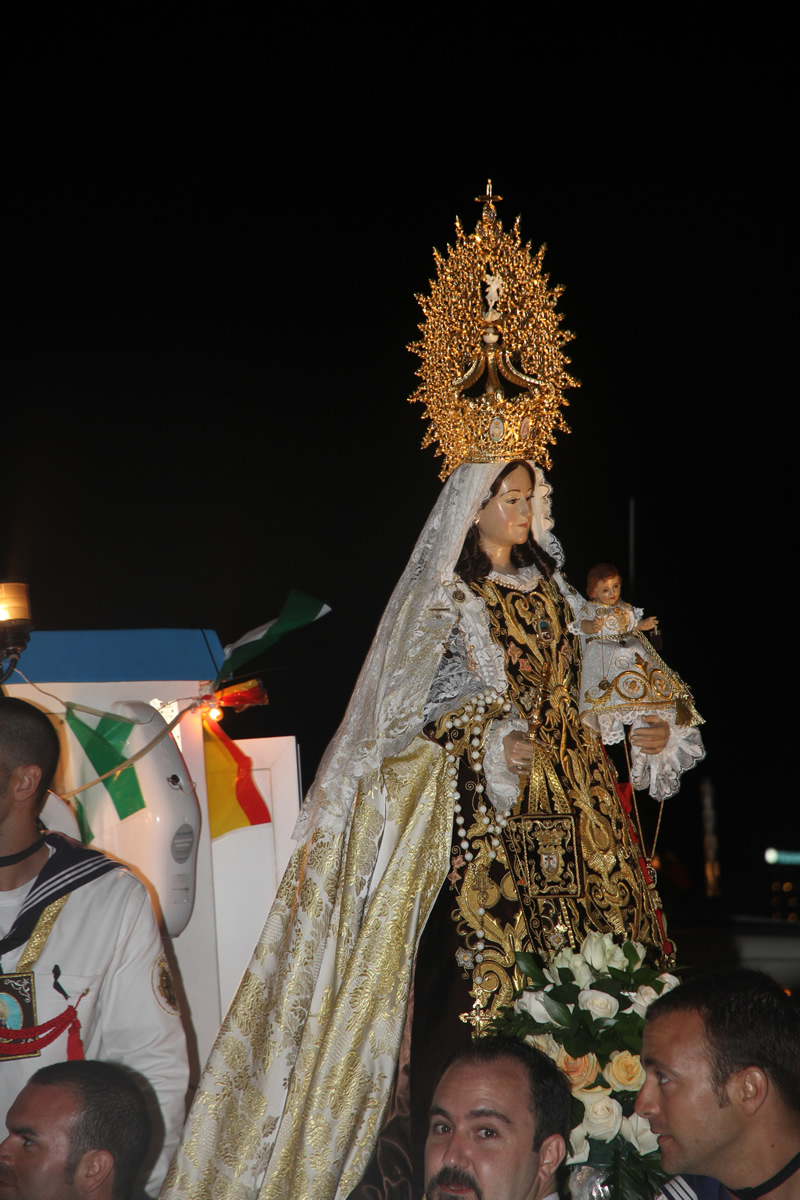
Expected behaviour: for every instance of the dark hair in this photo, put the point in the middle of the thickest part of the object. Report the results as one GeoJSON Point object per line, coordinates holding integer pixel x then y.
{"type": "Point", "coordinates": [112, 1116]}
{"type": "Point", "coordinates": [474, 563]}
{"type": "Point", "coordinates": [598, 573]}
{"type": "Point", "coordinates": [749, 1022]}
{"type": "Point", "coordinates": [28, 737]}
{"type": "Point", "coordinates": [550, 1099]}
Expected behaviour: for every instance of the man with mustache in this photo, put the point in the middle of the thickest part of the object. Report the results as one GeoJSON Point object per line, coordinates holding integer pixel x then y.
{"type": "Point", "coordinates": [77, 1130]}
{"type": "Point", "coordinates": [722, 1092]}
{"type": "Point", "coordinates": [499, 1125]}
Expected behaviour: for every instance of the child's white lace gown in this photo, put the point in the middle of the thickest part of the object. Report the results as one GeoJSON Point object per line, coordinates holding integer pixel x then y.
{"type": "Point", "coordinates": [623, 680]}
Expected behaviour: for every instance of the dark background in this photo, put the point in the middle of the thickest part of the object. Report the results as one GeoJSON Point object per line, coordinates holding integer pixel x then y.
{"type": "Point", "coordinates": [218, 222]}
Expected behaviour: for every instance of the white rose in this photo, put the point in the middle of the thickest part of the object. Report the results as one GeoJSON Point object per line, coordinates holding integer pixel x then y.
{"type": "Point", "coordinates": [576, 963]}
{"type": "Point", "coordinates": [640, 954]}
{"type": "Point", "coordinates": [531, 1003]}
{"type": "Point", "coordinates": [599, 1004]}
{"type": "Point", "coordinates": [602, 1117]}
{"type": "Point", "coordinates": [637, 1131]}
{"type": "Point", "coordinates": [617, 958]}
{"type": "Point", "coordinates": [584, 975]}
{"type": "Point", "coordinates": [669, 982]}
{"type": "Point", "coordinates": [562, 959]}
{"type": "Point", "coordinates": [596, 949]}
{"type": "Point", "coordinates": [578, 1145]}
{"type": "Point", "coordinates": [643, 999]}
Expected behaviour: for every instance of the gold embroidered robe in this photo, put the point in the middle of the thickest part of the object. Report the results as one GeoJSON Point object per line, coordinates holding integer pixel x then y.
{"type": "Point", "coordinates": [564, 861]}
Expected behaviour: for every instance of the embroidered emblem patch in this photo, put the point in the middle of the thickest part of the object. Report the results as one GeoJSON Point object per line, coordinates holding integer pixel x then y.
{"type": "Point", "coordinates": [163, 987]}
{"type": "Point", "coordinates": [545, 855]}
{"type": "Point", "coordinates": [17, 1010]}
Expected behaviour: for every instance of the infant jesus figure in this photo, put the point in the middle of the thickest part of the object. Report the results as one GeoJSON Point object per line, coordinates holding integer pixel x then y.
{"type": "Point", "coordinates": [624, 680]}
{"type": "Point", "coordinates": [612, 618]}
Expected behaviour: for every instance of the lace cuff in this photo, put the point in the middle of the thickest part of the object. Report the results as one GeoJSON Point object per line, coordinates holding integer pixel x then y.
{"type": "Point", "coordinates": [502, 785]}
{"type": "Point", "coordinates": [660, 773]}
{"type": "Point", "coordinates": [453, 678]}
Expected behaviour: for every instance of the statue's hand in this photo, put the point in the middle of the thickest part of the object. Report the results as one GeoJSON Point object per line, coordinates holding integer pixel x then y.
{"type": "Point", "coordinates": [653, 737]}
{"type": "Point", "coordinates": [519, 752]}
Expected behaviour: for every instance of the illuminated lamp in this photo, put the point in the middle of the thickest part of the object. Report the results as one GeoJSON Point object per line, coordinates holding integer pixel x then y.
{"type": "Point", "coordinates": [783, 858]}
{"type": "Point", "coordinates": [15, 624]}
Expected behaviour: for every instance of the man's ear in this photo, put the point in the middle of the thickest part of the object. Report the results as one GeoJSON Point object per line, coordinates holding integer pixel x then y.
{"type": "Point", "coordinates": [749, 1089]}
{"type": "Point", "coordinates": [24, 783]}
{"type": "Point", "coordinates": [94, 1170]}
{"type": "Point", "coordinates": [551, 1152]}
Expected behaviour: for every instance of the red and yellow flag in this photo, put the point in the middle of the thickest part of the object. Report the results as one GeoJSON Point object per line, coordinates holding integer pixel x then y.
{"type": "Point", "coordinates": [234, 801]}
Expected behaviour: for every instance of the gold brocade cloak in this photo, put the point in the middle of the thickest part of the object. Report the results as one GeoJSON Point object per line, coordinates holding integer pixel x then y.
{"type": "Point", "coordinates": [302, 1067]}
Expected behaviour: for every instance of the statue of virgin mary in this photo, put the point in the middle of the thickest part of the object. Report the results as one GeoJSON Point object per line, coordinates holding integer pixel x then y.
{"type": "Point", "coordinates": [462, 813]}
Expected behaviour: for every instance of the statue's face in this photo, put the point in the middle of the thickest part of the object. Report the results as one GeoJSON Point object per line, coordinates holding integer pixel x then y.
{"type": "Point", "coordinates": [607, 591]}
{"type": "Point", "coordinates": [506, 519]}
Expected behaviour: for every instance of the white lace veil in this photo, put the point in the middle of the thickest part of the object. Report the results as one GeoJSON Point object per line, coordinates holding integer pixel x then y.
{"type": "Point", "coordinates": [386, 709]}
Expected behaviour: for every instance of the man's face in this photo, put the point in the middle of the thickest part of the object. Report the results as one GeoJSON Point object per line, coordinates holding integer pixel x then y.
{"type": "Point", "coordinates": [695, 1132]}
{"type": "Point", "coordinates": [34, 1156]}
{"type": "Point", "coordinates": [480, 1136]}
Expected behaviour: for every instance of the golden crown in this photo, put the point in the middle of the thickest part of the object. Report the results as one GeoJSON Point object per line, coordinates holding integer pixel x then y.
{"type": "Point", "coordinates": [491, 318]}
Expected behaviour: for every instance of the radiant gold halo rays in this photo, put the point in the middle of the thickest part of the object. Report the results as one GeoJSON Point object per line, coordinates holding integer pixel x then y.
{"type": "Point", "coordinates": [490, 321]}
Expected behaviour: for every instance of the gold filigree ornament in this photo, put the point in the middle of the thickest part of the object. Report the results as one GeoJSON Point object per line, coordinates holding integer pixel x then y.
{"type": "Point", "coordinates": [493, 366]}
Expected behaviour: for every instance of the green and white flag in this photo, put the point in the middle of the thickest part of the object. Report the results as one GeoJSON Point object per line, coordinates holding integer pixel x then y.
{"type": "Point", "coordinates": [105, 747]}
{"type": "Point", "coordinates": [299, 610]}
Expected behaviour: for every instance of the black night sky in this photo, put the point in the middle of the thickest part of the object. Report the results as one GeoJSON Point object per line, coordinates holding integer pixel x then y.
{"type": "Point", "coordinates": [218, 224]}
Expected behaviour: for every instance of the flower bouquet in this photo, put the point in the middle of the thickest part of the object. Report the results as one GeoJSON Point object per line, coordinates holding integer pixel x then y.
{"type": "Point", "coordinates": [586, 1011]}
